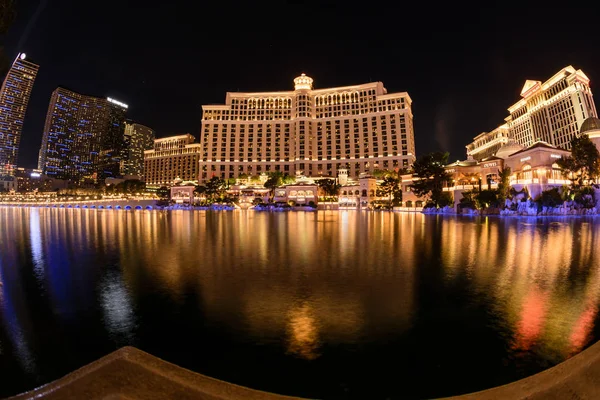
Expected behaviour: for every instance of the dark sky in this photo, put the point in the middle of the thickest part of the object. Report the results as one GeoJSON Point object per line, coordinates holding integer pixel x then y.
{"type": "Point", "coordinates": [462, 66]}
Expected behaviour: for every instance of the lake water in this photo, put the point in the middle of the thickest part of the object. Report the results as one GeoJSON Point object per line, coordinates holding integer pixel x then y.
{"type": "Point", "coordinates": [322, 305]}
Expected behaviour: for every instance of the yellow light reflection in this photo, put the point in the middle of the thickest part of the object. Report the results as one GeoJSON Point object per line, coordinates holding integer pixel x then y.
{"type": "Point", "coordinates": [303, 336]}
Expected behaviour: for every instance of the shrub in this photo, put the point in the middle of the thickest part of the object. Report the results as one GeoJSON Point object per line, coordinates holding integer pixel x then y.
{"type": "Point", "coordinates": [487, 198]}
{"type": "Point", "coordinates": [445, 199]}
{"type": "Point", "coordinates": [312, 204]}
{"type": "Point", "coordinates": [468, 200]}
{"type": "Point", "coordinates": [550, 198]}
{"type": "Point", "coordinates": [585, 197]}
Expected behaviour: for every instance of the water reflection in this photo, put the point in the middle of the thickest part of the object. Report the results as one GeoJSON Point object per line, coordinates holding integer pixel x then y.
{"type": "Point", "coordinates": [303, 333]}
{"type": "Point", "coordinates": [293, 290]}
{"type": "Point", "coordinates": [118, 310]}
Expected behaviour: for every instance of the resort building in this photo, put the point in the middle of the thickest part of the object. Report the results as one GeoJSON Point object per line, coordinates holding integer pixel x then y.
{"type": "Point", "coordinates": [533, 167]}
{"type": "Point", "coordinates": [314, 131]}
{"type": "Point", "coordinates": [175, 158]}
{"type": "Point", "coordinates": [138, 138]}
{"type": "Point", "coordinates": [14, 98]}
{"type": "Point", "coordinates": [552, 112]}
{"type": "Point", "coordinates": [487, 144]}
{"type": "Point", "coordinates": [83, 137]}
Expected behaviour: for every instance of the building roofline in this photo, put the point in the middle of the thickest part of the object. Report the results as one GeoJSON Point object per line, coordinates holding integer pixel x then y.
{"type": "Point", "coordinates": [185, 135]}
{"type": "Point", "coordinates": [538, 145]}
{"type": "Point", "coordinates": [316, 92]}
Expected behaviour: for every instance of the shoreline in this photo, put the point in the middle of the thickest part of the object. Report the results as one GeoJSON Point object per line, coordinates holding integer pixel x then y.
{"type": "Point", "coordinates": [280, 209]}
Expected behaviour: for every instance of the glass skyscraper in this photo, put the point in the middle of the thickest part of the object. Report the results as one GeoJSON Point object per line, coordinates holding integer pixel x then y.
{"type": "Point", "coordinates": [138, 138]}
{"type": "Point", "coordinates": [83, 136]}
{"type": "Point", "coordinates": [14, 97]}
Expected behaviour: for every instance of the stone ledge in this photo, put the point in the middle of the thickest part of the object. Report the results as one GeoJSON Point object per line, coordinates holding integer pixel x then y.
{"type": "Point", "coordinates": [129, 373]}
{"type": "Point", "coordinates": [576, 378]}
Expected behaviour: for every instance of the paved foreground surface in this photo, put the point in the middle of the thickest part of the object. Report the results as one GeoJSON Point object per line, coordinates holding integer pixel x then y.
{"type": "Point", "coordinates": [129, 373]}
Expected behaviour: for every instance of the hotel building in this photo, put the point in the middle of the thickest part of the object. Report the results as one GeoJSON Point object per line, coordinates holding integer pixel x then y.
{"type": "Point", "coordinates": [172, 158]}
{"type": "Point", "coordinates": [83, 136]}
{"type": "Point", "coordinates": [552, 112]}
{"type": "Point", "coordinates": [14, 97]}
{"type": "Point", "coordinates": [138, 138]}
{"type": "Point", "coordinates": [316, 132]}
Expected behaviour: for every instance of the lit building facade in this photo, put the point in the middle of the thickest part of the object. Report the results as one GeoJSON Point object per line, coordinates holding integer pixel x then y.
{"type": "Point", "coordinates": [112, 140]}
{"type": "Point", "coordinates": [551, 112]}
{"type": "Point", "coordinates": [316, 132]}
{"type": "Point", "coordinates": [83, 136]}
{"type": "Point", "coordinates": [172, 158]}
{"type": "Point", "coordinates": [14, 98]}
{"type": "Point", "coordinates": [487, 144]}
{"type": "Point", "coordinates": [138, 138]}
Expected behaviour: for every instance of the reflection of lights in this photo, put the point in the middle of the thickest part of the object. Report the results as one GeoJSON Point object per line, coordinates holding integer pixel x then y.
{"type": "Point", "coordinates": [580, 335]}
{"type": "Point", "coordinates": [118, 311]}
{"type": "Point", "coordinates": [35, 235]}
{"type": "Point", "coordinates": [533, 316]}
{"type": "Point", "coordinates": [303, 334]}
{"type": "Point", "coordinates": [13, 316]}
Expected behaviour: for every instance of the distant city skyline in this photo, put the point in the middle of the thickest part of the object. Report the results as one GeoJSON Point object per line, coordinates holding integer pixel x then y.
{"type": "Point", "coordinates": [460, 82]}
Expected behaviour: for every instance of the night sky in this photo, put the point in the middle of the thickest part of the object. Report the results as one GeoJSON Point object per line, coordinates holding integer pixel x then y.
{"type": "Point", "coordinates": [462, 66]}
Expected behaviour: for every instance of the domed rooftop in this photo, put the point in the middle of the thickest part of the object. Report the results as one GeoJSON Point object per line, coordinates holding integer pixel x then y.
{"type": "Point", "coordinates": [590, 124]}
{"type": "Point", "coordinates": [303, 82]}
{"type": "Point", "coordinates": [509, 148]}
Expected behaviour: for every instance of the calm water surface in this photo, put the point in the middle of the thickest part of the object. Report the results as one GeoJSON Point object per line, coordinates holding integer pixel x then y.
{"type": "Point", "coordinates": [322, 305]}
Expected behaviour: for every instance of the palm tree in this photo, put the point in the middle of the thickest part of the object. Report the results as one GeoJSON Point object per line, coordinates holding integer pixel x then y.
{"type": "Point", "coordinates": [329, 186]}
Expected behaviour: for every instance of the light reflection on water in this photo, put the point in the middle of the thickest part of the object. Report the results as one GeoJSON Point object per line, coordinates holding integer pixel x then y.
{"type": "Point", "coordinates": [311, 304]}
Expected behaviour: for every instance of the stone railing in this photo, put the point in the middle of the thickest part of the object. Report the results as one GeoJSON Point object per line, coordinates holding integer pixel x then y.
{"type": "Point", "coordinates": [129, 373]}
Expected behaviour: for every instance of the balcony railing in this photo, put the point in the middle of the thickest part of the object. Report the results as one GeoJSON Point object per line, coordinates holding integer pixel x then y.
{"type": "Point", "coordinates": [524, 181]}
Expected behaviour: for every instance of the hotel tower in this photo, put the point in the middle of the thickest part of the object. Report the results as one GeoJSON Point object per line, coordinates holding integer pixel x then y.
{"type": "Point", "coordinates": [138, 138]}
{"type": "Point", "coordinates": [14, 97]}
{"type": "Point", "coordinates": [313, 131]}
{"type": "Point", "coordinates": [83, 136]}
{"type": "Point", "coordinates": [552, 112]}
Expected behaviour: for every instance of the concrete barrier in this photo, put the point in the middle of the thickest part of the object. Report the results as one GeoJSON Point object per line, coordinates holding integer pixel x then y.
{"type": "Point", "coordinates": [133, 374]}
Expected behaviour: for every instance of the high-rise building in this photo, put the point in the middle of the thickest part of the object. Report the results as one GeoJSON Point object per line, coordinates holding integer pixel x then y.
{"type": "Point", "coordinates": [112, 143]}
{"type": "Point", "coordinates": [175, 157]}
{"type": "Point", "coordinates": [14, 97]}
{"type": "Point", "coordinates": [138, 138]}
{"type": "Point", "coordinates": [359, 128]}
{"type": "Point", "coordinates": [83, 136]}
{"type": "Point", "coordinates": [552, 112]}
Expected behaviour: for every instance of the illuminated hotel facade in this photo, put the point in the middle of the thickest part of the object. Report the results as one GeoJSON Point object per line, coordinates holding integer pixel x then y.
{"type": "Point", "coordinates": [14, 98]}
{"type": "Point", "coordinates": [172, 158]}
{"type": "Point", "coordinates": [552, 112]}
{"type": "Point", "coordinates": [359, 128]}
{"type": "Point", "coordinates": [83, 136]}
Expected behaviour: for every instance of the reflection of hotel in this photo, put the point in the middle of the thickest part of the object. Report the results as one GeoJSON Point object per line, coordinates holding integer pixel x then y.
{"type": "Point", "coordinates": [552, 111]}
{"type": "Point", "coordinates": [316, 132]}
